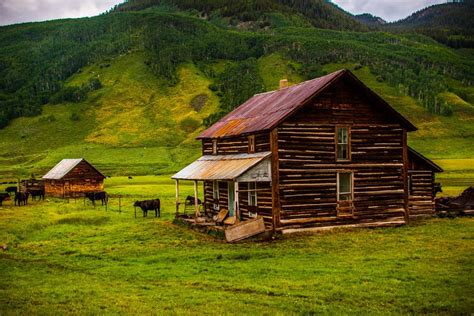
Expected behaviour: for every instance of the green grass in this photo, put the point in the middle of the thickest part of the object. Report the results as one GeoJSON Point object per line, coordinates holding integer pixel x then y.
{"type": "Point", "coordinates": [70, 258]}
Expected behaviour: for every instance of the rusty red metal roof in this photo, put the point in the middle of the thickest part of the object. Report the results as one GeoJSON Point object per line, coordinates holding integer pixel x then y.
{"type": "Point", "coordinates": [265, 111]}
{"type": "Point", "coordinates": [220, 167]}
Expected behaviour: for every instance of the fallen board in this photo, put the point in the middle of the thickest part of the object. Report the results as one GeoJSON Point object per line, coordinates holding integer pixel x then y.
{"type": "Point", "coordinates": [245, 229]}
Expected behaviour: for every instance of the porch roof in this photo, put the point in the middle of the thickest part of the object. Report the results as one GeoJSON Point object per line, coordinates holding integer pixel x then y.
{"type": "Point", "coordinates": [220, 167]}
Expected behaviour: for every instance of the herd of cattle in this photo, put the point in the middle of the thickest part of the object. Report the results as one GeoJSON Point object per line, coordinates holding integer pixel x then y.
{"type": "Point", "coordinates": [21, 198]}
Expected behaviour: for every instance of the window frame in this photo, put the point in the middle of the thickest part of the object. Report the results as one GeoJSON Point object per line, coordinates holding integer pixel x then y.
{"type": "Point", "coordinates": [214, 146]}
{"type": "Point", "coordinates": [215, 189]}
{"type": "Point", "coordinates": [345, 207]}
{"type": "Point", "coordinates": [251, 191]}
{"type": "Point", "coordinates": [251, 144]}
{"type": "Point", "coordinates": [348, 144]}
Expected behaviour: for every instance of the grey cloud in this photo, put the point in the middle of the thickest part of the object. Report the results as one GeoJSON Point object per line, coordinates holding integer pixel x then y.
{"type": "Point", "coordinates": [18, 11]}
{"type": "Point", "coordinates": [390, 10]}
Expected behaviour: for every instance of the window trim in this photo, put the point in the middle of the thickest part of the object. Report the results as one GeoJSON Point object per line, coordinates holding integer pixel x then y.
{"type": "Point", "coordinates": [349, 152]}
{"type": "Point", "coordinates": [251, 144]}
{"type": "Point", "coordinates": [249, 193]}
{"type": "Point", "coordinates": [215, 189]}
{"type": "Point", "coordinates": [214, 146]}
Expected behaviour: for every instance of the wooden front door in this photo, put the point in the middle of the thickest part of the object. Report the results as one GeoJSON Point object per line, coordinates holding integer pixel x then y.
{"type": "Point", "coordinates": [230, 190]}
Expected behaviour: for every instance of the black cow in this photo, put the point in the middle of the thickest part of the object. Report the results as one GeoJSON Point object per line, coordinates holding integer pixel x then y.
{"type": "Point", "coordinates": [11, 190]}
{"type": "Point", "coordinates": [190, 200]}
{"type": "Point", "coordinates": [96, 196]}
{"type": "Point", "coordinates": [36, 193]}
{"type": "Point", "coordinates": [437, 188]}
{"type": "Point", "coordinates": [148, 205]}
{"type": "Point", "coordinates": [21, 197]}
{"type": "Point", "coordinates": [4, 197]}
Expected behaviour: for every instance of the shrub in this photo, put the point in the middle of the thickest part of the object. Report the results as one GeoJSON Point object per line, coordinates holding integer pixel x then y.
{"type": "Point", "coordinates": [189, 124]}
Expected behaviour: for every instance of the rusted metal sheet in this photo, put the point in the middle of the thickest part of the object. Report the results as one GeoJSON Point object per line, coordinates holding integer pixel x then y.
{"type": "Point", "coordinates": [263, 111]}
{"type": "Point", "coordinates": [220, 167]}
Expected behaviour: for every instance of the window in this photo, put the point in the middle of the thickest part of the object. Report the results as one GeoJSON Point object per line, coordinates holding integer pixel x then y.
{"type": "Point", "coordinates": [251, 144]}
{"type": "Point", "coordinates": [345, 192]}
{"type": "Point", "coordinates": [342, 143]}
{"type": "Point", "coordinates": [252, 190]}
{"type": "Point", "coordinates": [214, 146]}
{"type": "Point", "coordinates": [344, 186]}
{"type": "Point", "coordinates": [215, 194]}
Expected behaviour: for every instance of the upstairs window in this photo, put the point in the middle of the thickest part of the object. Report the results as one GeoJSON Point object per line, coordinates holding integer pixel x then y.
{"type": "Point", "coordinates": [252, 190]}
{"type": "Point", "coordinates": [251, 144]}
{"type": "Point", "coordinates": [342, 143]}
{"type": "Point", "coordinates": [214, 146]}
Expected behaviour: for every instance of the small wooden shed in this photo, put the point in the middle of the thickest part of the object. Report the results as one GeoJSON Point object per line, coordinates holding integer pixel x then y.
{"type": "Point", "coordinates": [73, 178]}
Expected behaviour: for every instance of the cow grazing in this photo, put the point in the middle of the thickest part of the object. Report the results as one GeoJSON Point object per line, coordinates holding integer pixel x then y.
{"type": "Point", "coordinates": [21, 198]}
{"type": "Point", "coordinates": [37, 193]}
{"type": "Point", "coordinates": [96, 196]}
{"type": "Point", "coordinates": [11, 190]}
{"type": "Point", "coordinates": [437, 188]}
{"type": "Point", "coordinates": [4, 197]}
{"type": "Point", "coordinates": [148, 205]}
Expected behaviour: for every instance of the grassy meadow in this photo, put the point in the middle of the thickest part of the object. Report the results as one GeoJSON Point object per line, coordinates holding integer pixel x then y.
{"type": "Point", "coordinates": [71, 258]}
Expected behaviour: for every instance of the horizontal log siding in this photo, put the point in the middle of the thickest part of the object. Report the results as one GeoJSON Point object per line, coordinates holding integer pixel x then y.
{"type": "Point", "coordinates": [421, 200]}
{"type": "Point", "coordinates": [72, 188]}
{"type": "Point", "coordinates": [236, 145]}
{"type": "Point", "coordinates": [308, 166]}
{"type": "Point", "coordinates": [264, 200]}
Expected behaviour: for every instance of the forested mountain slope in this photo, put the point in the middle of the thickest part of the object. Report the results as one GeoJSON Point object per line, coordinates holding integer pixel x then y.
{"type": "Point", "coordinates": [131, 88]}
{"type": "Point", "coordinates": [449, 23]}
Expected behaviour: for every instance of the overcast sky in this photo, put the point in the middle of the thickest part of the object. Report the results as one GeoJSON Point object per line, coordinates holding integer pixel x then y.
{"type": "Point", "coordinates": [17, 11]}
{"type": "Point", "coordinates": [389, 10]}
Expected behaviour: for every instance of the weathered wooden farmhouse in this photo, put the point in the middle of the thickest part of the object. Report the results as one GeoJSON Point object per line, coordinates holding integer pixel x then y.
{"type": "Point", "coordinates": [325, 152]}
{"type": "Point", "coordinates": [72, 178]}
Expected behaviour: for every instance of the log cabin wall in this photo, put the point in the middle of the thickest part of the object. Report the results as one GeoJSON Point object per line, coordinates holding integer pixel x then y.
{"type": "Point", "coordinates": [308, 167]}
{"type": "Point", "coordinates": [236, 144]}
{"type": "Point", "coordinates": [421, 199]}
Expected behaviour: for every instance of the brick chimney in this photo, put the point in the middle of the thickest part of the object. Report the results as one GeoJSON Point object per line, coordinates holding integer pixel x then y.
{"type": "Point", "coordinates": [283, 83]}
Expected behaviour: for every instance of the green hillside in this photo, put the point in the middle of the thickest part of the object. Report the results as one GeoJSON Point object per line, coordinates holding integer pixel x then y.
{"type": "Point", "coordinates": [129, 90]}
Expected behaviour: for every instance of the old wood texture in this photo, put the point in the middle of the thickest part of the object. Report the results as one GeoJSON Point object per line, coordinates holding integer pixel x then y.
{"type": "Point", "coordinates": [81, 179]}
{"type": "Point", "coordinates": [308, 166]}
{"type": "Point", "coordinates": [275, 167]}
{"type": "Point", "coordinates": [245, 229]}
{"type": "Point", "coordinates": [237, 144]}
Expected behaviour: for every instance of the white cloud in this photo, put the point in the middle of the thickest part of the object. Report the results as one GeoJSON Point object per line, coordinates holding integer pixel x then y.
{"type": "Point", "coordinates": [389, 10]}
{"type": "Point", "coordinates": [18, 11]}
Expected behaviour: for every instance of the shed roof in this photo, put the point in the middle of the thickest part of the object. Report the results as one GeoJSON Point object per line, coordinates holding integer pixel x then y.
{"type": "Point", "coordinates": [64, 167]}
{"type": "Point", "coordinates": [265, 111]}
{"type": "Point", "coordinates": [220, 167]}
{"type": "Point", "coordinates": [413, 154]}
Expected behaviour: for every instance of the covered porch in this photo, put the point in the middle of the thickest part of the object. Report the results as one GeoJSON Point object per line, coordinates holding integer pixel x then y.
{"type": "Point", "coordinates": [236, 188]}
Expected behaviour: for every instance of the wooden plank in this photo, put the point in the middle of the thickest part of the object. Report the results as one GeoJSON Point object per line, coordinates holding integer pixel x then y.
{"type": "Point", "coordinates": [275, 178]}
{"type": "Point", "coordinates": [245, 229]}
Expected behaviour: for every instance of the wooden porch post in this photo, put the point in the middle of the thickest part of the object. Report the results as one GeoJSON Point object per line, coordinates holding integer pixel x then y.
{"type": "Point", "coordinates": [275, 179]}
{"type": "Point", "coordinates": [236, 201]}
{"type": "Point", "coordinates": [405, 178]}
{"type": "Point", "coordinates": [196, 205]}
{"type": "Point", "coordinates": [177, 197]}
